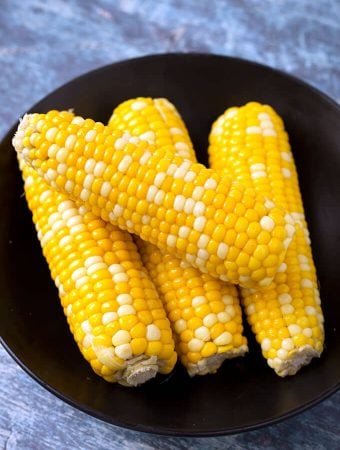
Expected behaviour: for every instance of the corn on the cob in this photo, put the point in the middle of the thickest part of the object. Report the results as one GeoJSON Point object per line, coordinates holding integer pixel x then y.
{"type": "Point", "coordinates": [111, 305]}
{"type": "Point", "coordinates": [215, 224]}
{"type": "Point", "coordinates": [204, 311]}
{"type": "Point", "coordinates": [251, 145]}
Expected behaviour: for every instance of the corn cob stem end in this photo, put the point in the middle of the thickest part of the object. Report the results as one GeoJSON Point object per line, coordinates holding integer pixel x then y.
{"type": "Point", "coordinates": [211, 364]}
{"type": "Point", "coordinates": [138, 371]}
{"type": "Point", "coordinates": [298, 359]}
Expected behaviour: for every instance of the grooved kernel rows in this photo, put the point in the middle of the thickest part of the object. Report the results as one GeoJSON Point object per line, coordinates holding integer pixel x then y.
{"type": "Point", "coordinates": [111, 305]}
{"type": "Point", "coordinates": [159, 196]}
{"type": "Point", "coordinates": [204, 311]}
{"type": "Point", "coordinates": [251, 145]}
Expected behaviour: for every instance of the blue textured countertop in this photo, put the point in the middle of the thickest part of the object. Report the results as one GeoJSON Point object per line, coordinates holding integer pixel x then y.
{"type": "Point", "coordinates": [43, 44]}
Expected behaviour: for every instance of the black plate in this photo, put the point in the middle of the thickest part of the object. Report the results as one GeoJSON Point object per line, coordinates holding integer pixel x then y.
{"type": "Point", "coordinates": [245, 393]}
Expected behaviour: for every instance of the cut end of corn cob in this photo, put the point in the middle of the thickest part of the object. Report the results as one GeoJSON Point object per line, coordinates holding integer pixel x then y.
{"type": "Point", "coordinates": [138, 371]}
{"type": "Point", "coordinates": [111, 305]}
{"type": "Point", "coordinates": [249, 143]}
{"type": "Point", "coordinates": [297, 359]}
{"type": "Point", "coordinates": [211, 364]}
{"type": "Point", "coordinates": [214, 223]}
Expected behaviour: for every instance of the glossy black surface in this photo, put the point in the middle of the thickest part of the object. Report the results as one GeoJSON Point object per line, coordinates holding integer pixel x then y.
{"type": "Point", "coordinates": [245, 393]}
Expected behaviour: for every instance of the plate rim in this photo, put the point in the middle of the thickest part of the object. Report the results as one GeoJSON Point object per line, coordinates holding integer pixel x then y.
{"type": "Point", "coordinates": [163, 430]}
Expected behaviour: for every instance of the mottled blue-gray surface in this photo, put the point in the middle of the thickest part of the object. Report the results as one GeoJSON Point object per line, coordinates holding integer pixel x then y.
{"type": "Point", "coordinates": [44, 43]}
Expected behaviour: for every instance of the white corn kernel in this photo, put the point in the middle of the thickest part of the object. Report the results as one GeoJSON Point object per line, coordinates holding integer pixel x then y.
{"type": "Point", "coordinates": [227, 299]}
{"type": "Point", "coordinates": [306, 283]}
{"type": "Point", "coordinates": [287, 344]}
{"type": "Point", "coordinates": [282, 267]}
{"type": "Point", "coordinates": [124, 351]}
{"type": "Point", "coordinates": [145, 158]}
{"type": "Point", "coordinates": [99, 169]}
{"type": "Point", "coordinates": [87, 341]}
{"type": "Point", "coordinates": [199, 209]}
{"type": "Point", "coordinates": [284, 298]}
{"type": "Point", "coordinates": [119, 277]}
{"type": "Point", "coordinates": [258, 174]}
{"type": "Point", "coordinates": [51, 133]}
{"type": "Point", "coordinates": [138, 105]}
{"type": "Point", "coordinates": [210, 184]}
{"type": "Point", "coordinates": [109, 317]}
{"type": "Point", "coordinates": [266, 344]}
{"type": "Point", "coordinates": [223, 317]}
{"type": "Point", "coordinates": [78, 273]}
{"type": "Point", "coordinates": [190, 176]}
{"type": "Point", "coordinates": [126, 310]}
{"type": "Point", "coordinates": [287, 309]}
{"type": "Point", "coordinates": [124, 163]}
{"type": "Point", "coordinates": [203, 241]}
{"type": "Point", "coordinates": [124, 299]}
{"type": "Point", "coordinates": [253, 130]}
{"type": "Point", "coordinates": [152, 191]}
{"type": "Point", "coordinates": [294, 329]}
{"type": "Point", "coordinates": [159, 178]}
{"type": "Point", "coordinates": [175, 131]}
{"type": "Point", "coordinates": [286, 156]}
{"type": "Point", "coordinates": [121, 337]}
{"type": "Point", "coordinates": [267, 223]}
{"type": "Point", "coordinates": [189, 205]}
{"type": "Point", "coordinates": [179, 202]}
{"type": "Point", "coordinates": [202, 333]}
{"type": "Point", "coordinates": [257, 167]}
{"type": "Point", "coordinates": [308, 332]}
{"type": "Point", "coordinates": [210, 320]}
{"type": "Point", "coordinates": [183, 232]}
{"type": "Point", "coordinates": [106, 356]}
{"type": "Point", "coordinates": [70, 141]}
{"type": "Point", "coordinates": [86, 326]}
{"type": "Point", "coordinates": [81, 281]}
{"type": "Point", "coordinates": [222, 250]}
{"type": "Point", "coordinates": [197, 193]}
{"type": "Point", "coordinates": [199, 223]}
{"type": "Point", "coordinates": [153, 333]}
{"type": "Point", "coordinates": [310, 310]}
{"type": "Point", "coordinates": [282, 354]}
{"type": "Point", "coordinates": [90, 135]}
{"type": "Point", "coordinates": [199, 300]}
{"type": "Point", "coordinates": [195, 345]}
{"type": "Point", "coordinates": [286, 172]}
{"type": "Point", "coordinates": [105, 189]}
{"type": "Point", "coordinates": [224, 338]}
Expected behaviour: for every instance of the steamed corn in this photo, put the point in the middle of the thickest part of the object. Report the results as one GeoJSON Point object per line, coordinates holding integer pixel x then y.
{"type": "Point", "coordinates": [251, 145]}
{"type": "Point", "coordinates": [204, 311]}
{"type": "Point", "coordinates": [112, 307]}
{"type": "Point", "coordinates": [215, 224]}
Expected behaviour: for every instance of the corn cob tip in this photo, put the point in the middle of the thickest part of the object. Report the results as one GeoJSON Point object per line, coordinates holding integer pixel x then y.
{"type": "Point", "coordinates": [299, 358]}
{"type": "Point", "coordinates": [211, 364]}
{"type": "Point", "coordinates": [138, 371]}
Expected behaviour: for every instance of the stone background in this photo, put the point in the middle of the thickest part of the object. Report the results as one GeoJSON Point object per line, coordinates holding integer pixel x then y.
{"type": "Point", "coordinates": [43, 44]}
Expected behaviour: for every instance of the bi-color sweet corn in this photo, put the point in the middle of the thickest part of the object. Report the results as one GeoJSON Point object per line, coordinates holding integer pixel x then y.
{"type": "Point", "coordinates": [111, 305]}
{"type": "Point", "coordinates": [215, 224]}
{"type": "Point", "coordinates": [251, 145]}
{"type": "Point", "coordinates": [204, 311]}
